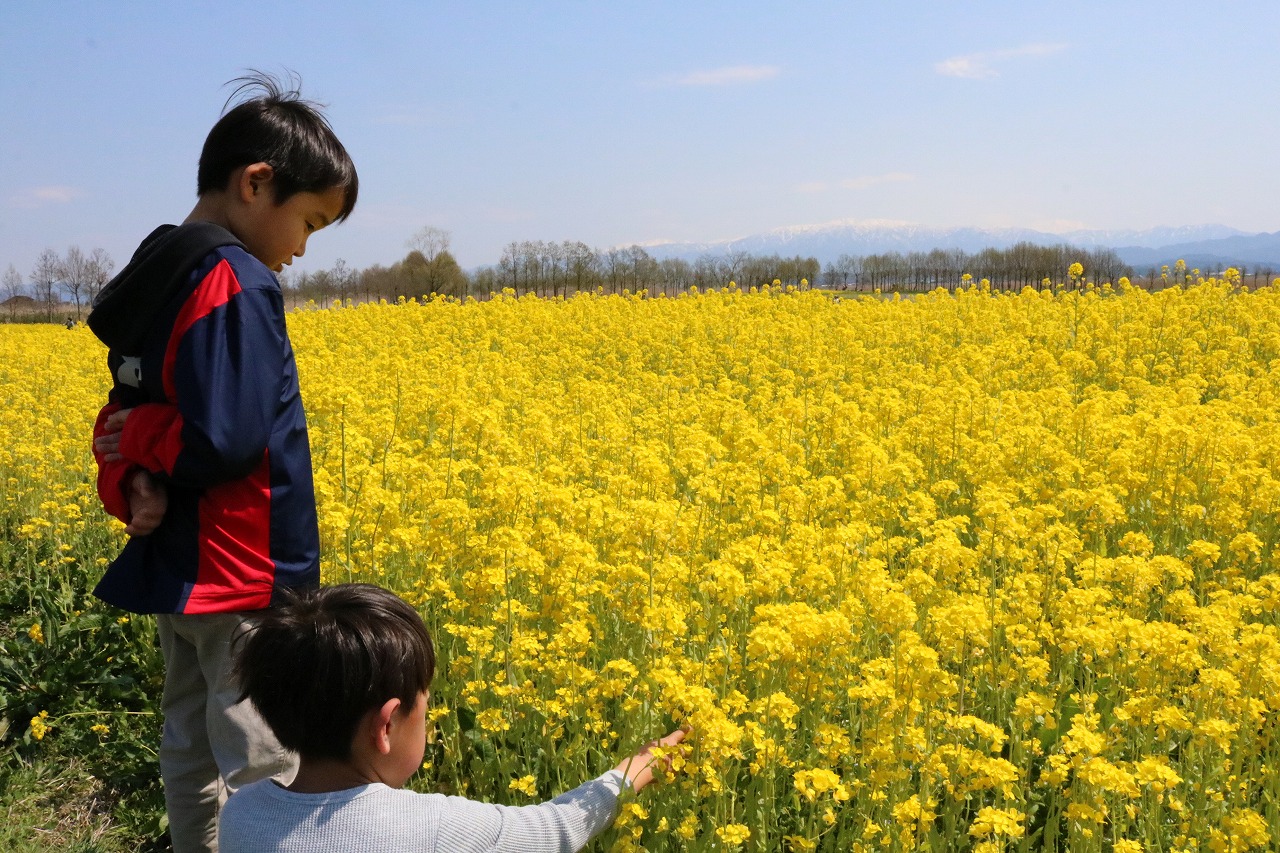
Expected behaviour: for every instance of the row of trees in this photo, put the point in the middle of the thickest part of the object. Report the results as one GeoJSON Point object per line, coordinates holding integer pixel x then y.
{"type": "Point", "coordinates": [1181, 274]}
{"type": "Point", "coordinates": [542, 268]}
{"type": "Point", "coordinates": [560, 269]}
{"type": "Point", "coordinates": [1007, 269]}
{"type": "Point", "coordinates": [77, 275]}
{"type": "Point", "coordinates": [428, 268]}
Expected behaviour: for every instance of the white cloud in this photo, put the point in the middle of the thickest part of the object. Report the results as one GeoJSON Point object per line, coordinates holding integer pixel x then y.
{"type": "Point", "coordinates": [41, 196]}
{"type": "Point", "coordinates": [969, 67]}
{"type": "Point", "coordinates": [982, 66]}
{"type": "Point", "coordinates": [727, 76]}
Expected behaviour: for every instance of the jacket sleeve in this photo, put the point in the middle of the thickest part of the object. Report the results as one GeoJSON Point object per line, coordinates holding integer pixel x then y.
{"type": "Point", "coordinates": [113, 477]}
{"type": "Point", "coordinates": [222, 369]}
{"type": "Point", "coordinates": [152, 437]}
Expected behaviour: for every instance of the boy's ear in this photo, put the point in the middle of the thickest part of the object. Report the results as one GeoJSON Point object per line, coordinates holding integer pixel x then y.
{"type": "Point", "coordinates": [382, 720]}
{"type": "Point", "coordinates": [254, 179]}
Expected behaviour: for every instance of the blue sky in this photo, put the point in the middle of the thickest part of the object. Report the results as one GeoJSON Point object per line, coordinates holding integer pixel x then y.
{"type": "Point", "coordinates": [617, 123]}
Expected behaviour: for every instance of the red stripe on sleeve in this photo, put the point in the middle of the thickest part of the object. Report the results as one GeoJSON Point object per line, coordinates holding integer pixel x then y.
{"type": "Point", "coordinates": [214, 290]}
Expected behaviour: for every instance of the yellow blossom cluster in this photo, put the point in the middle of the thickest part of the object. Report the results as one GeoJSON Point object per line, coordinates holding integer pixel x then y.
{"type": "Point", "coordinates": [972, 570]}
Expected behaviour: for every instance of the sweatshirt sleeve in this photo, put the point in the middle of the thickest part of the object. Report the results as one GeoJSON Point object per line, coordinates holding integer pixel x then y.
{"type": "Point", "coordinates": [222, 370]}
{"type": "Point", "coordinates": [562, 825]}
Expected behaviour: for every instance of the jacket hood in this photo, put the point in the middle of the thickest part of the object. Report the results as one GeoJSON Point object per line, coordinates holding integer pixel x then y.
{"type": "Point", "coordinates": [161, 268]}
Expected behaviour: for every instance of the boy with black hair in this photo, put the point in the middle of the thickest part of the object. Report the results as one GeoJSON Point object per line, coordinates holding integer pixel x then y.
{"type": "Point", "coordinates": [202, 447]}
{"type": "Point", "coordinates": [342, 676]}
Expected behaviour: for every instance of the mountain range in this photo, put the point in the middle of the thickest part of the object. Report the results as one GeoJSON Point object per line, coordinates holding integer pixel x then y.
{"type": "Point", "coordinates": [1207, 247]}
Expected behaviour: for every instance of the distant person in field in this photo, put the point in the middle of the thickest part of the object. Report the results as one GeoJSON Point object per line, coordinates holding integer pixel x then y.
{"type": "Point", "coordinates": [342, 676]}
{"type": "Point", "coordinates": [202, 447]}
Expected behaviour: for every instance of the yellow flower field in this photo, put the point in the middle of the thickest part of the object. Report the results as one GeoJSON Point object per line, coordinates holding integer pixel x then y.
{"type": "Point", "coordinates": [968, 571]}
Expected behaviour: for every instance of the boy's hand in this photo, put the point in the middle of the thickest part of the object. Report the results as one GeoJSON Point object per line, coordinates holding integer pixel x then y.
{"type": "Point", "coordinates": [639, 767]}
{"type": "Point", "coordinates": [108, 444]}
{"type": "Point", "coordinates": [148, 501]}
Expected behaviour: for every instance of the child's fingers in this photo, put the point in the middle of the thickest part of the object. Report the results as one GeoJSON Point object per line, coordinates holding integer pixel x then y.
{"type": "Point", "coordinates": [115, 421]}
{"type": "Point", "coordinates": [145, 521]}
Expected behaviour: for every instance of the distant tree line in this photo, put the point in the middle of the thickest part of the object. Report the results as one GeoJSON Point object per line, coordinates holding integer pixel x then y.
{"type": "Point", "coordinates": [1021, 265]}
{"type": "Point", "coordinates": [428, 269]}
{"type": "Point", "coordinates": [77, 275]}
{"type": "Point", "coordinates": [1180, 273]}
{"type": "Point", "coordinates": [560, 269]}
{"type": "Point", "coordinates": [542, 268]}
{"type": "Point", "coordinates": [552, 269]}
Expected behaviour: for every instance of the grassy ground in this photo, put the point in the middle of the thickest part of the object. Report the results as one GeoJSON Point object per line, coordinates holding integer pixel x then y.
{"type": "Point", "coordinates": [78, 728]}
{"type": "Point", "coordinates": [46, 807]}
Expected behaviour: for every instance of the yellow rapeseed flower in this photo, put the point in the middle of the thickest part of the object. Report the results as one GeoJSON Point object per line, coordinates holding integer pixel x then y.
{"type": "Point", "coordinates": [40, 725]}
{"type": "Point", "coordinates": [733, 834]}
{"type": "Point", "coordinates": [527, 785]}
{"type": "Point", "coordinates": [998, 822]}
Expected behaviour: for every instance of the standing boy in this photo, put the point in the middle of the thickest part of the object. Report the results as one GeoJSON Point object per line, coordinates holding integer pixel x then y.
{"type": "Point", "coordinates": [202, 446]}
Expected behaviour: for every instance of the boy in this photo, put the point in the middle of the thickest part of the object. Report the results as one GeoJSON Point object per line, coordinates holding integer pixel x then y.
{"type": "Point", "coordinates": [342, 675]}
{"type": "Point", "coordinates": [202, 447]}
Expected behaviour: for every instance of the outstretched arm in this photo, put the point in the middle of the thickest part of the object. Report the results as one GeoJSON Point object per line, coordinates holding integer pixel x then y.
{"type": "Point", "coordinates": [562, 825]}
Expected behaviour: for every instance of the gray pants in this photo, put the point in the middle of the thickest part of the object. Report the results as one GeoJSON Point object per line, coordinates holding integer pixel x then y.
{"type": "Point", "coordinates": [211, 744]}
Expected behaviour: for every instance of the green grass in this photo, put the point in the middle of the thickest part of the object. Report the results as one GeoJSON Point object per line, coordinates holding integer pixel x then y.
{"type": "Point", "coordinates": [59, 807]}
{"type": "Point", "coordinates": [91, 781]}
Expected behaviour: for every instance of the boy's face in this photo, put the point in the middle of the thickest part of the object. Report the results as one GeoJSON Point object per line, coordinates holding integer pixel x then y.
{"type": "Point", "coordinates": [277, 233]}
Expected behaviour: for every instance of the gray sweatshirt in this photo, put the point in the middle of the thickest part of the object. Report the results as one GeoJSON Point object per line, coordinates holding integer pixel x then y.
{"type": "Point", "coordinates": [265, 818]}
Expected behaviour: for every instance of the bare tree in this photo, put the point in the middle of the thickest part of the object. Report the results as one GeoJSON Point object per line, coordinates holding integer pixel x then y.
{"type": "Point", "coordinates": [44, 278]}
{"type": "Point", "coordinates": [706, 271]}
{"type": "Point", "coordinates": [12, 289]}
{"type": "Point", "coordinates": [644, 269]}
{"type": "Point", "coordinates": [100, 269]}
{"type": "Point", "coordinates": [845, 271]}
{"type": "Point", "coordinates": [74, 276]}
{"type": "Point", "coordinates": [732, 267]}
{"type": "Point", "coordinates": [509, 267]}
{"type": "Point", "coordinates": [343, 280]}
{"type": "Point", "coordinates": [430, 241]}
{"type": "Point", "coordinates": [581, 265]}
{"type": "Point", "coordinates": [675, 275]}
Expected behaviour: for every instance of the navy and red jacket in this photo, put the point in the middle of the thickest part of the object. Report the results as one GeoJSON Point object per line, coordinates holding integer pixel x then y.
{"type": "Point", "coordinates": [198, 350]}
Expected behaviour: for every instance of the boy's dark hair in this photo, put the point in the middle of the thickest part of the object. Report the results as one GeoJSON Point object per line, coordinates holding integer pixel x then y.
{"type": "Point", "coordinates": [279, 128]}
{"type": "Point", "coordinates": [314, 665]}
